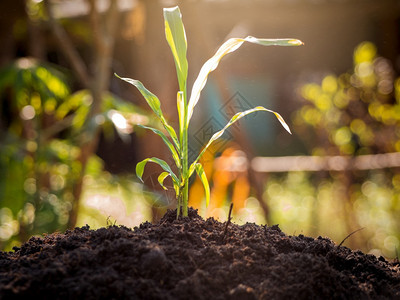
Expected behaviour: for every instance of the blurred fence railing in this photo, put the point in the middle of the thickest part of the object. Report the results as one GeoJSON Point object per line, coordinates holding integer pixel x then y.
{"type": "Point", "coordinates": [325, 163]}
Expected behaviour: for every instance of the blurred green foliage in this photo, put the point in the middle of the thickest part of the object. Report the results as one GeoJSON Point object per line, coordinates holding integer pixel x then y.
{"type": "Point", "coordinates": [41, 131]}
{"type": "Point", "coordinates": [352, 114]}
{"type": "Point", "coordinates": [34, 172]}
{"type": "Point", "coordinates": [303, 203]}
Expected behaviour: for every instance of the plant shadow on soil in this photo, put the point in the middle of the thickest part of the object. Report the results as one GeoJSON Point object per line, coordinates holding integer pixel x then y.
{"type": "Point", "coordinates": [191, 258]}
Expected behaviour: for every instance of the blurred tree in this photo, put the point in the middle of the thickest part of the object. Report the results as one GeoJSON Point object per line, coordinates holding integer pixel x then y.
{"type": "Point", "coordinates": [103, 29]}
{"type": "Point", "coordinates": [49, 135]}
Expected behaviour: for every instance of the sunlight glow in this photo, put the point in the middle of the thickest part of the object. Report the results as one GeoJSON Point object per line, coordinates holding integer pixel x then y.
{"type": "Point", "coordinates": [27, 112]}
{"type": "Point", "coordinates": [119, 121]}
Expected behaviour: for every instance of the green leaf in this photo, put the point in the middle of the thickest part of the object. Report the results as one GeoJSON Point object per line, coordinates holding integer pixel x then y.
{"type": "Point", "coordinates": [161, 179]}
{"type": "Point", "coordinates": [228, 47]}
{"type": "Point", "coordinates": [274, 42]}
{"type": "Point", "coordinates": [234, 119]}
{"type": "Point", "coordinates": [154, 104]}
{"type": "Point", "coordinates": [204, 181]}
{"type": "Point", "coordinates": [167, 142]}
{"type": "Point", "coordinates": [140, 168]}
{"type": "Point", "coordinates": [150, 98]}
{"type": "Point", "coordinates": [176, 37]}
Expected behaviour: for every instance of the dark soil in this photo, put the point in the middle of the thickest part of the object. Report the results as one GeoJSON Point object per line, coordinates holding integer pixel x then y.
{"type": "Point", "coordinates": [191, 258]}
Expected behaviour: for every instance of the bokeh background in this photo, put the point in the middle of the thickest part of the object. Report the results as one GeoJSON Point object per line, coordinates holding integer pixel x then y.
{"type": "Point", "coordinates": [69, 144]}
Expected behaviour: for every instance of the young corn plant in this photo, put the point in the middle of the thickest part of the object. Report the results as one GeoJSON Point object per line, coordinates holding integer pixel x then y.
{"type": "Point", "coordinates": [177, 144]}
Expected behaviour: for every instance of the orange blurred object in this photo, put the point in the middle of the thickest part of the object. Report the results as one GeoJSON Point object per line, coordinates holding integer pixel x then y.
{"type": "Point", "coordinates": [228, 179]}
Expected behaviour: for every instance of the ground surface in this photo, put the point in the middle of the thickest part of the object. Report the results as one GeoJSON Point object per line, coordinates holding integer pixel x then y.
{"type": "Point", "coordinates": [192, 259]}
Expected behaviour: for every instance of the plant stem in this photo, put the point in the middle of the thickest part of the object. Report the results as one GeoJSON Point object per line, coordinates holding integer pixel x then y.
{"type": "Point", "coordinates": [184, 172]}
{"type": "Point", "coordinates": [185, 167]}
{"type": "Point", "coordinates": [185, 195]}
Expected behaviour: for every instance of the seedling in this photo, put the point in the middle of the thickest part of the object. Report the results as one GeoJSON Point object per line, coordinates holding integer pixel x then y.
{"type": "Point", "coordinates": [178, 144]}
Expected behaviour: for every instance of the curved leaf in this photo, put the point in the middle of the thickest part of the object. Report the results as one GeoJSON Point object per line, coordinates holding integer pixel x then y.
{"type": "Point", "coordinates": [176, 37]}
{"type": "Point", "coordinates": [167, 142]}
{"type": "Point", "coordinates": [140, 168]}
{"type": "Point", "coordinates": [234, 119]}
{"type": "Point", "coordinates": [228, 47]}
{"type": "Point", "coordinates": [154, 104]}
{"type": "Point", "coordinates": [203, 178]}
{"type": "Point", "coordinates": [161, 179]}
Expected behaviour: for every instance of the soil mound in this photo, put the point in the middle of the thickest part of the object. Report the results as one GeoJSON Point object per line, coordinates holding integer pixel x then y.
{"type": "Point", "coordinates": [192, 258]}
